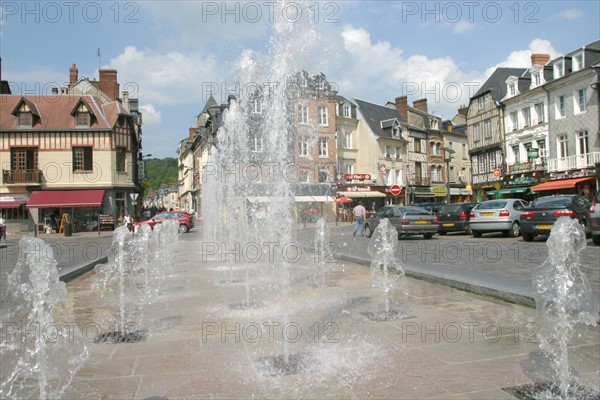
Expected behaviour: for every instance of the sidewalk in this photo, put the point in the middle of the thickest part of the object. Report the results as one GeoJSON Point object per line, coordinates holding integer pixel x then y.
{"type": "Point", "coordinates": [453, 345]}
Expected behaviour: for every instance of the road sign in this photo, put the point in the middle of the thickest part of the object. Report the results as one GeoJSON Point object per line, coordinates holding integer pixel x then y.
{"type": "Point", "coordinates": [395, 190]}
{"type": "Point", "coordinates": [497, 172]}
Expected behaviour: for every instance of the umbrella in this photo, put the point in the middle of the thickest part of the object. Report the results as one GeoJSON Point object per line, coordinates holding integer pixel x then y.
{"type": "Point", "coordinates": [343, 200]}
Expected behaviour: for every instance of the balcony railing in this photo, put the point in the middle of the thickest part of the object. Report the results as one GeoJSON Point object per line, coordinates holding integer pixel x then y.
{"type": "Point", "coordinates": [573, 162]}
{"type": "Point", "coordinates": [22, 176]}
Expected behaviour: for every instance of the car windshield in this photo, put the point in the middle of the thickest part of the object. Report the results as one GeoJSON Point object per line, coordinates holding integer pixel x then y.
{"type": "Point", "coordinates": [492, 205]}
{"type": "Point", "coordinates": [552, 202]}
{"type": "Point", "coordinates": [415, 211]}
{"type": "Point", "coordinates": [451, 209]}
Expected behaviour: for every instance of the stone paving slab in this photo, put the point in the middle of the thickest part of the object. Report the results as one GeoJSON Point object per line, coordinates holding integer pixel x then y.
{"type": "Point", "coordinates": [454, 345]}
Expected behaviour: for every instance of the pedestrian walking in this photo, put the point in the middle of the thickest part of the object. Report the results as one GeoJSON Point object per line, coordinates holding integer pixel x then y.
{"type": "Point", "coordinates": [2, 229]}
{"type": "Point", "coordinates": [128, 221]}
{"type": "Point", "coordinates": [359, 212]}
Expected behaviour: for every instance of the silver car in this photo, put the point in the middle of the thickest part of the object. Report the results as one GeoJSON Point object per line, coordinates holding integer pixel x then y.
{"type": "Point", "coordinates": [500, 215]}
{"type": "Point", "coordinates": [407, 220]}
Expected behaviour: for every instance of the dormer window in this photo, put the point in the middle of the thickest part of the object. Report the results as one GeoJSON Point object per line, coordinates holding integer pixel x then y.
{"type": "Point", "coordinates": [396, 133]}
{"type": "Point", "coordinates": [512, 89]}
{"type": "Point", "coordinates": [25, 119]}
{"type": "Point", "coordinates": [82, 116]}
{"type": "Point", "coordinates": [559, 69]}
{"type": "Point", "coordinates": [578, 62]}
{"type": "Point", "coordinates": [434, 123]}
{"type": "Point", "coordinates": [537, 79]}
{"type": "Point", "coordinates": [346, 111]}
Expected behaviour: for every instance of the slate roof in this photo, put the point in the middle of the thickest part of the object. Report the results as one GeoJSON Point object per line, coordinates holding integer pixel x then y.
{"type": "Point", "coordinates": [211, 102]}
{"type": "Point", "coordinates": [374, 114]}
{"type": "Point", "coordinates": [55, 112]}
{"type": "Point", "coordinates": [496, 83]}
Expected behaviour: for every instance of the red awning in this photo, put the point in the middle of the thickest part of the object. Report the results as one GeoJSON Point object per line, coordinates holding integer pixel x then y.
{"type": "Point", "coordinates": [65, 198]}
{"type": "Point", "coordinates": [12, 201]}
{"type": "Point", "coordinates": [11, 204]}
{"type": "Point", "coordinates": [561, 184]}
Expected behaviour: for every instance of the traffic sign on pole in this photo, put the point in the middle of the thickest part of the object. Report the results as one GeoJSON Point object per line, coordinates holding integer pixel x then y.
{"type": "Point", "coordinates": [395, 190]}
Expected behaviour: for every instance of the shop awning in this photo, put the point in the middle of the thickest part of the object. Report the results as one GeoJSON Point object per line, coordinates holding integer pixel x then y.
{"type": "Point", "coordinates": [508, 191]}
{"type": "Point", "coordinates": [9, 201]}
{"type": "Point", "coordinates": [65, 199]}
{"type": "Point", "coordinates": [358, 195]}
{"type": "Point", "coordinates": [561, 184]}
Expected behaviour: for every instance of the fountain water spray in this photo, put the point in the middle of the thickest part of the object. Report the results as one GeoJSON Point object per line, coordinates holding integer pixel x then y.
{"type": "Point", "coordinates": [563, 298]}
{"type": "Point", "coordinates": [385, 269]}
{"type": "Point", "coordinates": [320, 244]}
{"type": "Point", "coordinates": [39, 339]}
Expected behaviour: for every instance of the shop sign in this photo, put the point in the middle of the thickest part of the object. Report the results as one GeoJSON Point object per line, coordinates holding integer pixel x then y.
{"type": "Point", "coordinates": [439, 191]}
{"type": "Point", "coordinates": [358, 189]}
{"type": "Point", "coordinates": [519, 167]}
{"type": "Point", "coordinates": [357, 177]}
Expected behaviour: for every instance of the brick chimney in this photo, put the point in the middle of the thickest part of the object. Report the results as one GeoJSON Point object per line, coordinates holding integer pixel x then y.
{"type": "Point", "coordinates": [540, 59]}
{"type": "Point", "coordinates": [108, 83]}
{"type": "Point", "coordinates": [402, 107]}
{"type": "Point", "coordinates": [73, 72]}
{"type": "Point", "coordinates": [421, 105]}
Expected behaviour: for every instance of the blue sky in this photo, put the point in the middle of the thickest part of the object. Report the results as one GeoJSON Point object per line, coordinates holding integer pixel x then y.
{"type": "Point", "coordinates": [168, 52]}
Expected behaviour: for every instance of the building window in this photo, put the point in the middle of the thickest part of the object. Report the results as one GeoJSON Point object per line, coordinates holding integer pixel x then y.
{"type": "Point", "coordinates": [257, 144]}
{"type": "Point", "coordinates": [580, 101]}
{"type": "Point", "coordinates": [537, 79]}
{"type": "Point", "coordinates": [23, 159]}
{"type": "Point", "coordinates": [561, 104]}
{"type": "Point", "coordinates": [563, 146]}
{"type": "Point", "coordinates": [433, 173]}
{"type": "Point", "coordinates": [83, 118]}
{"type": "Point", "coordinates": [82, 159]}
{"type": "Point", "coordinates": [121, 151]}
{"type": "Point", "coordinates": [476, 133]}
{"type": "Point", "coordinates": [303, 146]}
{"type": "Point", "coordinates": [349, 169]}
{"type": "Point", "coordinates": [303, 114]}
{"type": "Point", "coordinates": [539, 111]}
{"type": "Point", "coordinates": [487, 129]}
{"type": "Point", "coordinates": [303, 176]}
{"type": "Point", "coordinates": [514, 120]}
{"type": "Point", "coordinates": [516, 155]}
{"type": "Point", "coordinates": [346, 111]}
{"type": "Point", "coordinates": [464, 151]}
{"type": "Point", "coordinates": [450, 151]}
{"type": "Point", "coordinates": [387, 151]}
{"type": "Point", "coordinates": [582, 141]}
{"type": "Point", "coordinates": [481, 103]}
{"type": "Point", "coordinates": [559, 71]}
{"type": "Point", "coordinates": [578, 62]}
{"type": "Point", "coordinates": [511, 89]}
{"type": "Point", "coordinates": [527, 116]}
{"type": "Point", "coordinates": [433, 123]}
{"type": "Point", "coordinates": [323, 147]}
{"type": "Point", "coordinates": [323, 175]}
{"type": "Point", "coordinates": [527, 146]}
{"type": "Point", "coordinates": [542, 150]}
{"type": "Point", "coordinates": [417, 145]}
{"type": "Point", "coordinates": [323, 121]}
{"type": "Point", "coordinates": [398, 153]}
{"type": "Point", "coordinates": [348, 136]}
{"type": "Point", "coordinates": [25, 120]}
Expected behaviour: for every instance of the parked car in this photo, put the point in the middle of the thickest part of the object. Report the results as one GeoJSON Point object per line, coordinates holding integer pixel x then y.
{"type": "Point", "coordinates": [431, 207]}
{"type": "Point", "coordinates": [539, 217]}
{"type": "Point", "coordinates": [500, 215]}
{"type": "Point", "coordinates": [595, 219]}
{"type": "Point", "coordinates": [407, 220]}
{"type": "Point", "coordinates": [455, 218]}
{"type": "Point", "coordinates": [186, 222]}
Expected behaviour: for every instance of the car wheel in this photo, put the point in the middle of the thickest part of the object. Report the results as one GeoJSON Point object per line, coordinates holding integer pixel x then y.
{"type": "Point", "coordinates": [585, 228]}
{"type": "Point", "coordinates": [596, 240]}
{"type": "Point", "coordinates": [428, 235]}
{"type": "Point", "coordinates": [477, 234]}
{"type": "Point", "coordinates": [183, 228]}
{"type": "Point", "coordinates": [469, 231]}
{"type": "Point", "coordinates": [442, 233]}
{"type": "Point", "coordinates": [528, 237]}
{"type": "Point", "coordinates": [368, 231]}
{"type": "Point", "coordinates": [515, 230]}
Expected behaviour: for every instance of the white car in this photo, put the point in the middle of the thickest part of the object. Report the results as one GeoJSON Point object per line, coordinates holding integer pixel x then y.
{"type": "Point", "coordinates": [500, 215]}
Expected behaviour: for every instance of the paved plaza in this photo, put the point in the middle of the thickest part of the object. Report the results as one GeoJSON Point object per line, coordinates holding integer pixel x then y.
{"type": "Point", "coordinates": [205, 341]}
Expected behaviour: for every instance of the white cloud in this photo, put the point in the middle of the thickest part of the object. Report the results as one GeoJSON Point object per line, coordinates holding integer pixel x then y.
{"type": "Point", "coordinates": [522, 58]}
{"type": "Point", "coordinates": [463, 27]}
{"type": "Point", "coordinates": [167, 78]}
{"type": "Point", "coordinates": [382, 69]}
{"type": "Point", "coordinates": [150, 115]}
{"type": "Point", "coordinates": [569, 14]}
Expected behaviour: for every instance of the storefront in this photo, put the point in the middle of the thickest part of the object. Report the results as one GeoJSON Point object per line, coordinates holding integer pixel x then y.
{"type": "Point", "coordinates": [585, 186]}
{"type": "Point", "coordinates": [50, 209]}
{"type": "Point", "coordinates": [14, 211]}
{"type": "Point", "coordinates": [372, 197]}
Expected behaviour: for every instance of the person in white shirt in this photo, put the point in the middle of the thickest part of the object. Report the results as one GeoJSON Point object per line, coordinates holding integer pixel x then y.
{"type": "Point", "coordinates": [359, 212]}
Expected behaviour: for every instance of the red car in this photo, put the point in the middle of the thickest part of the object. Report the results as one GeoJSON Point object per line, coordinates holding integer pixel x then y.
{"type": "Point", "coordinates": [186, 222]}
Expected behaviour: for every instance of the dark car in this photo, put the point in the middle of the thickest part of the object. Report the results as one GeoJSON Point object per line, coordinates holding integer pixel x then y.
{"type": "Point", "coordinates": [431, 207]}
{"type": "Point", "coordinates": [186, 222]}
{"type": "Point", "coordinates": [455, 218]}
{"type": "Point", "coordinates": [407, 220]}
{"type": "Point", "coordinates": [539, 217]}
{"type": "Point", "coordinates": [595, 219]}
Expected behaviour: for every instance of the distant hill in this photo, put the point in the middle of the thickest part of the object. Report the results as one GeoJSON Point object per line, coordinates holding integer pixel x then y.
{"type": "Point", "coordinates": [160, 171]}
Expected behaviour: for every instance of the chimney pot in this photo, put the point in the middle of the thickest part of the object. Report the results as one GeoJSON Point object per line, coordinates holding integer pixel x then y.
{"type": "Point", "coordinates": [540, 59]}
{"type": "Point", "coordinates": [421, 105]}
{"type": "Point", "coordinates": [402, 107]}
